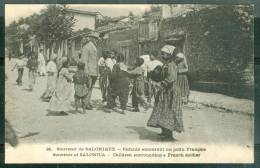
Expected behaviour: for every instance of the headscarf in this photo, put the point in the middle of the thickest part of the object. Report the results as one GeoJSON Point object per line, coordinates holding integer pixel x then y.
{"type": "Point", "coordinates": [169, 49]}
{"type": "Point", "coordinates": [180, 55]}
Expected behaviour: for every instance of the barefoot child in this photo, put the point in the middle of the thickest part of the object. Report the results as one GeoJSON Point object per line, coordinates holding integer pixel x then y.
{"type": "Point", "coordinates": [81, 86]}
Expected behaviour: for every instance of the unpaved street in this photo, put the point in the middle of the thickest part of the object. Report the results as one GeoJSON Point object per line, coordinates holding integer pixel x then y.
{"type": "Point", "coordinates": [27, 113]}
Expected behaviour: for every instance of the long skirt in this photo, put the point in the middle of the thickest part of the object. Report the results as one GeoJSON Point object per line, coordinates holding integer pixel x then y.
{"type": "Point", "coordinates": [184, 85]}
{"type": "Point", "coordinates": [138, 95]}
{"type": "Point", "coordinates": [51, 84]}
{"type": "Point", "coordinates": [32, 78]}
{"type": "Point", "coordinates": [62, 97]}
{"type": "Point", "coordinates": [167, 111]}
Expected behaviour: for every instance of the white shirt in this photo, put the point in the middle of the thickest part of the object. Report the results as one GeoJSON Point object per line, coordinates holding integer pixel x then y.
{"type": "Point", "coordinates": [147, 60]}
{"type": "Point", "coordinates": [51, 67]}
{"type": "Point", "coordinates": [101, 61]}
{"type": "Point", "coordinates": [153, 64]}
{"type": "Point", "coordinates": [114, 61]}
{"type": "Point", "coordinates": [20, 63]}
{"type": "Point", "coordinates": [109, 63]}
{"type": "Point", "coordinates": [41, 58]}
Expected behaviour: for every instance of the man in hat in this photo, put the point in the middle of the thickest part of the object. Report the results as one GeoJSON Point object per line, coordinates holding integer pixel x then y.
{"type": "Point", "coordinates": [90, 58]}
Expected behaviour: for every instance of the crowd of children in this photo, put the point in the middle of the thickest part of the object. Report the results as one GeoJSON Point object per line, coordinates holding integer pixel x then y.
{"type": "Point", "coordinates": [165, 80]}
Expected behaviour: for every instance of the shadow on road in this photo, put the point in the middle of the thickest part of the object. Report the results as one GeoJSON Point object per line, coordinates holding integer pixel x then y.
{"type": "Point", "coordinates": [28, 90]}
{"type": "Point", "coordinates": [97, 104]}
{"type": "Point", "coordinates": [54, 113]}
{"type": "Point", "coordinates": [145, 134]}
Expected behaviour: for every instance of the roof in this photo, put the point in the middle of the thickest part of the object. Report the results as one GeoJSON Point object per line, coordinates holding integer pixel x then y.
{"type": "Point", "coordinates": [80, 33]}
{"type": "Point", "coordinates": [113, 27]}
{"type": "Point", "coordinates": [82, 12]}
{"type": "Point", "coordinates": [118, 18]}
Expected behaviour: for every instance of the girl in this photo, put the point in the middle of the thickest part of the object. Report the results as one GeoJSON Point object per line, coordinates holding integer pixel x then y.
{"type": "Point", "coordinates": [81, 86]}
{"type": "Point", "coordinates": [51, 79]}
{"type": "Point", "coordinates": [41, 61]}
{"type": "Point", "coordinates": [182, 77]}
{"type": "Point", "coordinates": [60, 101]}
{"type": "Point", "coordinates": [167, 111]}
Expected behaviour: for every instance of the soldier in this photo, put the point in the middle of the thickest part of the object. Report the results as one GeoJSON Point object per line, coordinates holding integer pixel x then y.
{"type": "Point", "coordinates": [90, 58]}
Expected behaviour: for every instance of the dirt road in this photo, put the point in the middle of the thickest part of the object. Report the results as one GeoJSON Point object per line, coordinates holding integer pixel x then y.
{"type": "Point", "coordinates": [27, 113]}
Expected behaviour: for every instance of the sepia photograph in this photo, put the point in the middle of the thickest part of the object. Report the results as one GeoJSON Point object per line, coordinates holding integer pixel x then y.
{"type": "Point", "coordinates": [129, 83]}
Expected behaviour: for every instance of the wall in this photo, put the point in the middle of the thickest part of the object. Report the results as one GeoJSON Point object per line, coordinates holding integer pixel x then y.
{"type": "Point", "coordinates": [217, 43]}
{"type": "Point", "coordinates": [218, 47]}
{"type": "Point", "coordinates": [84, 21]}
{"type": "Point", "coordinates": [126, 42]}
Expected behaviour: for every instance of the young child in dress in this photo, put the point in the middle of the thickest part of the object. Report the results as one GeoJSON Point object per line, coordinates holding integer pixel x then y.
{"type": "Point", "coordinates": [138, 95]}
{"type": "Point", "coordinates": [81, 85]}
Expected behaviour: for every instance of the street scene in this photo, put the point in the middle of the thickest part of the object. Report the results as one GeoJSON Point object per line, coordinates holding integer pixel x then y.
{"type": "Point", "coordinates": [29, 117]}
{"type": "Point", "coordinates": [146, 74]}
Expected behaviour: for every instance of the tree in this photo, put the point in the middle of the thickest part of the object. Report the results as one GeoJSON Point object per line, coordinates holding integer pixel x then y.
{"type": "Point", "coordinates": [11, 38]}
{"type": "Point", "coordinates": [16, 34]}
{"type": "Point", "coordinates": [155, 8]}
{"type": "Point", "coordinates": [53, 25]}
{"type": "Point", "coordinates": [103, 21]}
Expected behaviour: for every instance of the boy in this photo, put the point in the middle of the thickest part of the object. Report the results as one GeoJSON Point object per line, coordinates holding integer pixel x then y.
{"type": "Point", "coordinates": [138, 96]}
{"type": "Point", "coordinates": [81, 86]}
{"type": "Point", "coordinates": [119, 85]}
{"type": "Point", "coordinates": [32, 65]}
{"type": "Point", "coordinates": [19, 65]}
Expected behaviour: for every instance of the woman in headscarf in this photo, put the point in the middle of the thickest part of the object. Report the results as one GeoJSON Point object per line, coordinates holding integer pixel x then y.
{"type": "Point", "coordinates": [167, 110]}
{"type": "Point", "coordinates": [182, 77]}
{"type": "Point", "coordinates": [51, 79]}
{"type": "Point", "coordinates": [60, 101]}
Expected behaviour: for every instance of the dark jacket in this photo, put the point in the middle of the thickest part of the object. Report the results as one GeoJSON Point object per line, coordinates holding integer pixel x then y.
{"type": "Point", "coordinates": [32, 63]}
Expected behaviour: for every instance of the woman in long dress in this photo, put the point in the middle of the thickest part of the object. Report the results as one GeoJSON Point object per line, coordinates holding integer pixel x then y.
{"type": "Point", "coordinates": [51, 80]}
{"type": "Point", "coordinates": [167, 111]}
{"type": "Point", "coordinates": [41, 62]}
{"type": "Point", "coordinates": [60, 101]}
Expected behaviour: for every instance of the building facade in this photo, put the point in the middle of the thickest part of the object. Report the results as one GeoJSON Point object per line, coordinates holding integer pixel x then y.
{"type": "Point", "coordinates": [84, 19]}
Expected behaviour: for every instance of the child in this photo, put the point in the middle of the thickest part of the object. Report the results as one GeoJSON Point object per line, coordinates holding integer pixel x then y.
{"type": "Point", "coordinates": [32, 65]}
{"type": "Point", "coordinates": [51, 79]}
{"type": "Point", "coordinates": [81, 86]}
{"type": "Point", "coordinates": [182, 77]}
{"type": "Point", "coordinates": [138, 96]}
{"type": "Point", "coordinates": [19, 65]}
{"type": "Point", "coordinates": [119, 84]}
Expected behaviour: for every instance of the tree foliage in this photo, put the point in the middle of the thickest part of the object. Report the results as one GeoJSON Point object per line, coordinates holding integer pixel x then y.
{"type": "Point", "coordinates": [52, 25]}
{"type": "Point", "coordinates": [103, 21]}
